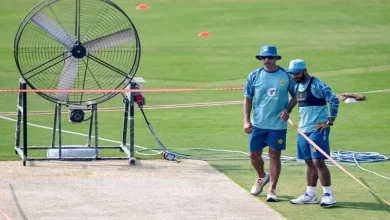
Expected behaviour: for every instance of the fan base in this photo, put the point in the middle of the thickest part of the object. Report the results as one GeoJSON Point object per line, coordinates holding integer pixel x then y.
{"type": "Point", "coordinates": [71, 153]}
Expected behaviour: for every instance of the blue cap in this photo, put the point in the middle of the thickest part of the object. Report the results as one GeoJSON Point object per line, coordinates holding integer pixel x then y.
{"type": "Point", "coordinates": [268, 50]}
{"type": "Point", "coordinates": [296, 66]}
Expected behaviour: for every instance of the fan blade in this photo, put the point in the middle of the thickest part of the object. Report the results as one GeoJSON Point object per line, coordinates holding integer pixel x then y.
{"type": "Point", "coordinates": [67, 78]}
{"type": "Point", "coordinates": [109, 40]}
{"type": "Point", "coordinates": [54, 30]}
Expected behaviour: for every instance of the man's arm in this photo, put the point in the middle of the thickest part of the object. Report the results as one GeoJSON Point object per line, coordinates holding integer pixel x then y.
{"type": "Point", "coordinates": [247, 112]}
{"type": "Point", "coordinates": [292, 104]}
{"type": "Point", "coordinates": [333, 105]}
{"type": "Point", "coordinates": [248, 94]}
{"type": "Point", "coordinates": [332, 99]}
{"type": "Point", "coordinates": [285, 114]}
{"type": "Point", "coordinates": [248, 100]}
{"type": "Point", "coordinates": [247, 109]}
{"type": "Point", "coordinates": [292, 89]}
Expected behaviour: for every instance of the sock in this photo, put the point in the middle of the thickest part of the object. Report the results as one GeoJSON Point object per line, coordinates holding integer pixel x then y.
{"type": "Point", "coordinates": [327, 189]}
{"type": "Point", "coordinates": [262, 178]}
{"type": "Point", "coordinates": [311, 190]}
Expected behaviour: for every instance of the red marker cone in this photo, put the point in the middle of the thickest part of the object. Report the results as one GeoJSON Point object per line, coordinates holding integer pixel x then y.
{"type": "Point", "coordinates": [204, 34]}
{"type": "Point", "coordinates": [142, 7]}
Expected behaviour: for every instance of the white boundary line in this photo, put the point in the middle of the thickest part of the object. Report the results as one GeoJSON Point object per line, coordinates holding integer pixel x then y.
{"type": "Point", "coordinates": [75, 133]}
{"type": "Point", "coordinates": [376, 91]}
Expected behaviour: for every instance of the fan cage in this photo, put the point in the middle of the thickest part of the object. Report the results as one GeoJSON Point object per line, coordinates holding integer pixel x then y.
{"type": "Point", "coordinates": [41, 59]}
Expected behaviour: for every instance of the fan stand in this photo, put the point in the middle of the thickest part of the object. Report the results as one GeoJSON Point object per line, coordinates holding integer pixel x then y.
{"type": "Point", "coordinates": [75, 152]}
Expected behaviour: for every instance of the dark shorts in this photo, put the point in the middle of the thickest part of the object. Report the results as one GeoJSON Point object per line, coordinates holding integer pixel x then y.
{"type": "Point", "coordinates": [260, 138]}
{"type": "Point", "coordinates": [306, 151]}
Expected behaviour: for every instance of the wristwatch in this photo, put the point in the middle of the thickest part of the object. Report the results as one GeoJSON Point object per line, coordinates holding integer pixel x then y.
{"type": "Point", "coordinates": [329, 123]}
{"type": "Point", "coordinates": [289, 110]}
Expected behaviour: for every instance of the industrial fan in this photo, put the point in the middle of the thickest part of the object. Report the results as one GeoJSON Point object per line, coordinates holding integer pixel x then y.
{"type": "Point", "coordinates": [77, 44]}
{"type": "Point", "coordinates": [71, 52]}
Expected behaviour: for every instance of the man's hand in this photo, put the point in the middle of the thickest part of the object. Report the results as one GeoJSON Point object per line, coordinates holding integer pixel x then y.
{"type": "Point", "coordinates": [322, 126]}
{"type": "Point", "coordinates": [284, 115]}
{"type": "Point", "coordinates": [248, 127]}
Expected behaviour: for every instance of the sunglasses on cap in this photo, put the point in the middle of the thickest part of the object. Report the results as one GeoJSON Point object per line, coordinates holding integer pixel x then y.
{"type": "Point", "coordinates": [269, 57]}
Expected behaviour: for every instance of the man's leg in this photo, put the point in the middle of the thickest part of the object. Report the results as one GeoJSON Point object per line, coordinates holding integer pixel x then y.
{"type": "Point", "coordinates": [256, 145]}
{"type": "Point", "coordinates": [324, 176]}
{"type": "Point", "coordinates": [276, 141]}
{"type": "Point", "coordinates": [311, 174]}
{"type": "Point", "coordinates": [323, 171]}
{"type": "Point", "coordinates": [258, 162]}
{"type": "Point", "coordinates": [322, 140]}
{"type": "Point", "coordinates": [312, 178]}
{"type": "Point", "coordinates": [304, 153]}
{"type": "Point", "coordinates": [275, 166]}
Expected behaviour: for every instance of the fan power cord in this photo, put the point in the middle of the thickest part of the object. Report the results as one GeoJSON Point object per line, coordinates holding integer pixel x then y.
{"type": "Point", "coordinates": [168, 155]}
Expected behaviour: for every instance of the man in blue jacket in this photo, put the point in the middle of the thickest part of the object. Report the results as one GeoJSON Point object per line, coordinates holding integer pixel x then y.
{"type": "Point", "coordinates": [315, 121]}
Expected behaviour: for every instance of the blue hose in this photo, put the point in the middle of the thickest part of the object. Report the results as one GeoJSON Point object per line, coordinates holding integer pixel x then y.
{"type": "Point", "coordinates": [358, 157]}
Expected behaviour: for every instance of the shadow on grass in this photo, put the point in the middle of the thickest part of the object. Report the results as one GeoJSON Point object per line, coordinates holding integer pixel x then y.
{"type": "Point", "coordinates": [379, 206]}
{"type": "Point", "coordinates": [362, 205]}
{"type": "Point", "coordinates": [245, 166]}
{"type": "Point", "coordinates": [280, 198]}
{"type": "Point", "coordinates": [285, 198]}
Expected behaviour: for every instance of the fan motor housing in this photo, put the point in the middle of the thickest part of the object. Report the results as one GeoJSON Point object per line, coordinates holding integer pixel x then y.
{"type": "Point", "coordinates": [79, 51]}
{"type": "Point", "coordinates": [76, 115]}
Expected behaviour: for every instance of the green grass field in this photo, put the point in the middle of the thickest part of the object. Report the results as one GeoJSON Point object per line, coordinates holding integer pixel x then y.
{"type": "Point", "coordinates": [345, 43]}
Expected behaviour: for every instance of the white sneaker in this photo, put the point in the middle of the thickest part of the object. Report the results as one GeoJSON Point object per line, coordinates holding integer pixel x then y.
{"type": "Point", "coordinates": [257, 188]}
{"type": "Point", "coordinates": [271, 196]}
{"type": "Point", "coordinates": [305, 199]}
{"type": "Point", "coordinates": [327, 200]}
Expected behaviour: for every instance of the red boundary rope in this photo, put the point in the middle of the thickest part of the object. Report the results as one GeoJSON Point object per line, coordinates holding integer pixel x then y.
{"type": "Point", "coordinates": [115, 90]}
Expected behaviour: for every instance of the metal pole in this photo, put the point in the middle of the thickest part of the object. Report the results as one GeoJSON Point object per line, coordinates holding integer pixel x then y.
{"type": "Point", "coordinates": [90, 128]}
{"type": "Point", "coordinates": [19, 118]}
{"type": "Point", "coordinates": [125, 121]}
{"type": "Point", "coordinates": [59, 132]}
{"type": "Point", "coordinates": [24, 112]}
{"type": "Point", "coordinates": [94, 107]}
{"type": "Point", "coordinates": [53, 141]}
{"type": "Point", "coordinates": [133, 86]}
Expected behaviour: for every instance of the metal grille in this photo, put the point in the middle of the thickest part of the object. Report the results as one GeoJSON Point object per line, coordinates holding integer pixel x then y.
{"type": "Point", "coordinates": [78, 44]}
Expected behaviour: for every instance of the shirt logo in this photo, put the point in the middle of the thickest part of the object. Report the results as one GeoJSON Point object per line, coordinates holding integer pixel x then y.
{"type": "Point", "coordinates": [282, 82]}
{"type": "Point", "coordinates": [271, 92]}
{"type": "Point", "coordinates": [301, 98]}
